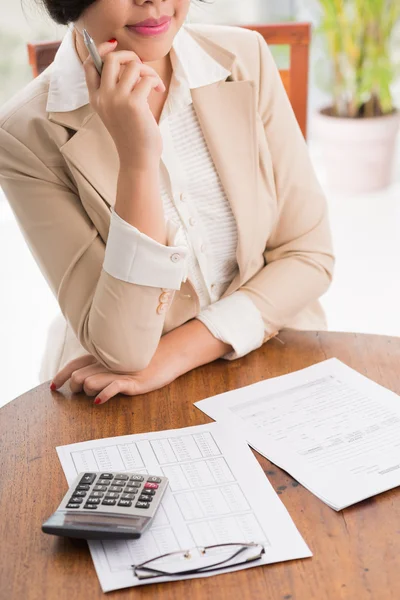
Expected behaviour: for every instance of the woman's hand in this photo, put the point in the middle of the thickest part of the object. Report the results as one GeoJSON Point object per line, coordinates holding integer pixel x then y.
{"type": "Point", "coordinates": [87, 374]}
{"type": "Point", "coordinates": [119, 97]}
{"type": "Point", "coordinates": [179, 351]}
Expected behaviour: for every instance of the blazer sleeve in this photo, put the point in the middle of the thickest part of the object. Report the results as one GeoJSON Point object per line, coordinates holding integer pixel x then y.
{"type": "Point", "coordinates": [299, 258]}
{"type": "Point", "coordinates": [114, 320]}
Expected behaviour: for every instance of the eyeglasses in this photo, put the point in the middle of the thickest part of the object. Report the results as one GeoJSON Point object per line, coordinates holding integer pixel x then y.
{"type": "Point", "coordinates": [199, 560]}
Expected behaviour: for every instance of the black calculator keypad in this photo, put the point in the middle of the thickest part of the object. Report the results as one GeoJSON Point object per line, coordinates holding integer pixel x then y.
{"type": "Point", "coordinates": [95, 489]}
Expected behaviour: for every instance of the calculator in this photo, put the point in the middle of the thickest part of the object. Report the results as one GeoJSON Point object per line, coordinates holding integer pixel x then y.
{"type": "Point", "coordinates": [107, 506]}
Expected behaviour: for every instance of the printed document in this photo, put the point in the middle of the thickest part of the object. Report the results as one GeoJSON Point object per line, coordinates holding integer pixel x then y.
{"type": "Point", "coordinates": [333, 429]}
{"type": "Point", "coordinates": [217, 493]}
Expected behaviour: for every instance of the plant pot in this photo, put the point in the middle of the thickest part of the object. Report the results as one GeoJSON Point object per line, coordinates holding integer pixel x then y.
{"type": "Point", "coordinates": [359, 153]}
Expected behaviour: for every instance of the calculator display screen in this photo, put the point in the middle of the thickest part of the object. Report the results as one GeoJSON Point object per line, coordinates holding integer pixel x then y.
{"type": "Point", "coordinates": [103, 520]}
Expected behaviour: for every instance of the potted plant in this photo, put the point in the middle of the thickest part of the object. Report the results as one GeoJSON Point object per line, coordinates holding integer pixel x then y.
{"type": "Point", "coordinates": [358, 130]}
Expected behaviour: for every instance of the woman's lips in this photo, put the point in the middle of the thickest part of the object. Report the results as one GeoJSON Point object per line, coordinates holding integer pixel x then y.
{"type": "Point", "coordinates": [150, 30]}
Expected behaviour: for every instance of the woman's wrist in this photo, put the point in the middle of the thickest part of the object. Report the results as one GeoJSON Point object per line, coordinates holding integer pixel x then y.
{"type": "Point", "coordinates": [192, 345]}
{"type": "Point", "coordinates": [139, 200]}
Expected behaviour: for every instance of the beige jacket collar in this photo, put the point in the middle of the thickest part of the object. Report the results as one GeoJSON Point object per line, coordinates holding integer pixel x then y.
{"type": "Point", "coordinates": [227, 115]}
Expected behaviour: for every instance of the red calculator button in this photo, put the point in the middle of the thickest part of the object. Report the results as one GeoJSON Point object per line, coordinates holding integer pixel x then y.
{"type": "Point", "coordinates": [150, 486]}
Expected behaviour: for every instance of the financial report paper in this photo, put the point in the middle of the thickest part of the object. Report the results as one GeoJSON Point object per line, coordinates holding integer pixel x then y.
{"type": "Point", "coordinates": [333, 429]}
{"type": "Point", "coordinates": [217, 493]}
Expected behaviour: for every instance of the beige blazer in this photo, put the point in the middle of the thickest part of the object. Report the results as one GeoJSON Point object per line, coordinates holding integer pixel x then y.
{"type": "Point", "coordinates": [59, 172]}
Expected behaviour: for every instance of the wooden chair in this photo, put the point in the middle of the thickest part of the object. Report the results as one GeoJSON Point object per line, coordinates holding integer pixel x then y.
{"type": "Point", "coordinates": [295, 79]}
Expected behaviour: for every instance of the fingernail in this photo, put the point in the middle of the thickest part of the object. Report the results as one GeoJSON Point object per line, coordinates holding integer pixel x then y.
{"type": "Point", "coordinates": [97, 401]}
{"type": "Point", "coordinates": [112, 41]}
{"type": "Point", "coordinates": [53, 387]}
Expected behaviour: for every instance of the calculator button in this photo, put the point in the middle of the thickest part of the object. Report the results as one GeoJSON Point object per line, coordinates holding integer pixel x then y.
{"type": "Point", "coordinates": [137, 478]}
{"type": "Point", "coordinates": [103, 482]}
{"type": "Point", "coordinates": [148, 492]}
{"type": "Point", "coordinates": [80, 493]}
{"type": "Point", "coordinates": [83, 486]}
{"type": "Point", "coordinates": [91, 506]}
{"type": "Point", "coordinates": [134, 484]}
{"type": "Point", "coordinates": [145, 498]}
{"type": "Point", "coordinates": [125, 503]}
{"type": "Point", "coordinates": [142, 504]}
{"type": "Point", "coordinates": [109, 501]}
{"type": "Point", "coordinates": [73, 505]}
{"type": "Point", "coordinates": [119, 482]}
{"type": "Point", "coordinates": [121, 476]}
{"type": "Point", "coordinates": [154, 480]}
{"type": "Point", "coordinates": [131, 490]}
{"type": "Point", "coordinates": [106, 476]}
{"type": "Point", "coordinates": [97, 494]}
{"type": "Point", "coordinates": [92, 500]}
{"type": "Point", "coordinates": [88, 478]}
{"type": "Point", "coordinates": [128, 496]}
{"type": "Point", "coordinates": [112, 495]}
{"type": "Point", "coordinates": [115, 488]}
{"type": "Point", "coordinates": [76, 500]}
{"type": "Point", "coordinates": [151, 486]}
{"type": "Point", "coordinates": [100, 488]}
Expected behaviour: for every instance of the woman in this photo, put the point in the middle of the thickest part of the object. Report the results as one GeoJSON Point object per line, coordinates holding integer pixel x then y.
{"type": "Point", "coordinates": [170, 204]}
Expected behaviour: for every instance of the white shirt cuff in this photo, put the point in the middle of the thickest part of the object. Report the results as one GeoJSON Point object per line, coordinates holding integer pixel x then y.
{"type": "Point", "coordinates": [237, 321]}
{"type": "Point", "coordinates": [134, 257]}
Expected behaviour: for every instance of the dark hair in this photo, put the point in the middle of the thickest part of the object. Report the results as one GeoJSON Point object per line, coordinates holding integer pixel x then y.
{"type": "Point", "coordinates": [67, 11]}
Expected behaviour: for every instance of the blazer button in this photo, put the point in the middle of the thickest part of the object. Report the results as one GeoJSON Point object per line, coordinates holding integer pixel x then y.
{"type": "Point", "coordinates": [161, 308]}
{"type": "Point", "coordinates": [175, 258]}
{"type": "Point", "coordinates": [165, 297]}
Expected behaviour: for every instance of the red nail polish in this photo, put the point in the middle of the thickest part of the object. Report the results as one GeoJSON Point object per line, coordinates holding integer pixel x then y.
{"type": "Point", "coordinates": [112, 41]}
{"type": "Point", "coordinates": [53, 387]}
{"type": "Point", "coordinates": [97, 401]}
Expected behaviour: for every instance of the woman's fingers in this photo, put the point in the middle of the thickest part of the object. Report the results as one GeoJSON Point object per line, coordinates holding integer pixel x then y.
{"type": "Point", "coordinates": [142, 89]}
{"type": "Point", "coordinates": [65, 373]}
{"type": "Point", "coordinates": [92, 77]}
{"type": "Point", "coordinates": [131, 75]}
{"type": "Point", "coordinates": [119, 386]}
{"type": "Point", "coordinates": [78, 377]}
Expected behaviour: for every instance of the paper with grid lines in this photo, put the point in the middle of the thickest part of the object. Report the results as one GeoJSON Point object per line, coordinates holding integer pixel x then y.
{"type": "Point", "coordinates": [333, 429]}
{"type": "Point", "coordinates": [217, 493]}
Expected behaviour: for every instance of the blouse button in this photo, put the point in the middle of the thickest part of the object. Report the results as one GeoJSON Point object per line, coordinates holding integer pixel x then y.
{"type": "Point", "coordinates": [182, 197]}
{"type": "Point", "coordinates": [161, 308]}
{"type": "Point", "coordinates": [192, 221]}
{"type": "Point", "coordinates": [175, 258]}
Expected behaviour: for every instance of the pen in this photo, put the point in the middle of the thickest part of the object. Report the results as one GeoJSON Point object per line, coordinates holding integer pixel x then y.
{"type": "Point", "coordinates": [91, 46]}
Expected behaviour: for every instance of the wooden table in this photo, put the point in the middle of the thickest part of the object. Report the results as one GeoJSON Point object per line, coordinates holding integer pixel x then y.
{"type": "Point", "coordinates": [356, 551]}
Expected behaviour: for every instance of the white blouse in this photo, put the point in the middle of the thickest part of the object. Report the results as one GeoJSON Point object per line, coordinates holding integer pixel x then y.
{"type": "Point", "coordinates": [201, 228]}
